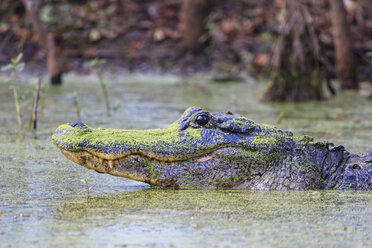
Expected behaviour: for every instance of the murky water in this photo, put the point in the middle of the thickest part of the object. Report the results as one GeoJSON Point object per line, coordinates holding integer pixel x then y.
{"type": "Point", "coordinates": [42, 198]}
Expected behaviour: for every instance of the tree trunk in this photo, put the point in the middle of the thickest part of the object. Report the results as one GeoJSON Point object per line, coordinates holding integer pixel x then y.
{"type": "Point", "coordinates": [193, 24]}
{"type": "Point", "coordinates": [297, 62]}
{"type": "Point", "coordinates": [345, 59]}
{"type": "Point", "coordinates": [46, 41]}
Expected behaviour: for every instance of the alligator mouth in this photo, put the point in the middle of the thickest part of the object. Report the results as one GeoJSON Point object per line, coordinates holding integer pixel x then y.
{"type": "Point", "coordinates": [117, 166]}
{"type": "Point", "coordinates": [103, 158]}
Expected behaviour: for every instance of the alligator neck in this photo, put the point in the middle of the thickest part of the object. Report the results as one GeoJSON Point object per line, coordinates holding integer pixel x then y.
{"type": "Point", "coordinates": [342, 170]}
{"type": "Point", "coordinates": [332, 165]}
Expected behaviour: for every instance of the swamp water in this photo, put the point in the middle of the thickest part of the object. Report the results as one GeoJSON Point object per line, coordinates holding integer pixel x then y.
{"type": "Point", "coordinates": [42, 198]}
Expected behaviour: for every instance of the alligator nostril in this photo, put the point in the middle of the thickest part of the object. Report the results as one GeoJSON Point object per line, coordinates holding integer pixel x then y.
{"type": "Point", "coordinates": [77, 124]}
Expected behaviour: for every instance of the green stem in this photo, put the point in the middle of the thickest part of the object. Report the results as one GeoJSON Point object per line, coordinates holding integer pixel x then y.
{"type": "Point", "coordinates": [88, 193]}
{"type": "Point", "coordinates": [104, 90]}
{"type": "Point", "coordinates": [18, 104]}
{"type": "Point", "coordinates": [76, 105]}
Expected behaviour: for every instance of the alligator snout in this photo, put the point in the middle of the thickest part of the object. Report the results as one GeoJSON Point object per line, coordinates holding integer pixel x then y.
{"type": "Point", "coordinates": [64, 135]}
{"type": "Point", "coordinates": [77, 124]}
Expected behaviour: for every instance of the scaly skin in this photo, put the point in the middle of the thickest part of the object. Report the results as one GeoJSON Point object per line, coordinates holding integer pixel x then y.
{"type": "Point", "coordinates": [215, 150]}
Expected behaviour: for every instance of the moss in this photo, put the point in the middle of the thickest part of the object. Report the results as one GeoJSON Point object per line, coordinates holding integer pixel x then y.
{"type": "Point", "coordinates": [271, 137]}
{"type": "Point", "coordinates": [154, 174]}
{"type": "Point", "coordinates": [164, 140]}
{"type": "Point", "coordinates": [305, 140]}
{"type": "Point", "coordinates": [110, 136]}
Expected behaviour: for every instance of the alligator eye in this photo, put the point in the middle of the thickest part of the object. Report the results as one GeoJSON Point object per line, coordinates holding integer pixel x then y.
{"type": "Point", "coordinates": [202, 120]}
{"type": "Point", "coordinates": [355, 167]}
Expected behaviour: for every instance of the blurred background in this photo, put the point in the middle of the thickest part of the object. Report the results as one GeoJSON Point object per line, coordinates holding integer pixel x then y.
{"type": "Point", "coordinates": [230, 39]}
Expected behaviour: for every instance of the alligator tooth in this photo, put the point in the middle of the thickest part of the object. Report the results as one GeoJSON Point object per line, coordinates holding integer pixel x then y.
{"type": "Point", "coordinates": [111, 164]}
{"type": "Point", "coordinates": [204, 159]}
{"type": "Point", "coordinates": [100, 160]}
{"type": "Point", "coordinates": [121, 161]}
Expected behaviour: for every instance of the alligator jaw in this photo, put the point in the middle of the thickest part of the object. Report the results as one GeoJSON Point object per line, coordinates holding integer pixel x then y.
{"type": "Point", "coordinates": [79, 157]}
{"type": "Point", "coordinates": [114, 167]}
{"type": "Point", "coordinates": [127, 166]}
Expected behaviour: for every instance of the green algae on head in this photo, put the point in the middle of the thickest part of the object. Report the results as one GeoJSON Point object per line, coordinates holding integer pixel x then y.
{"type": "Point", "coordinates": [210, 150]}
{"type": "Point", "coordinates": [116, 143]}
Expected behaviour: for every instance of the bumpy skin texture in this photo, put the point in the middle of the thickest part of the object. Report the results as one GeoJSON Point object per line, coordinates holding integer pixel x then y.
{"type": "Point", "coordinates": [215, 150]}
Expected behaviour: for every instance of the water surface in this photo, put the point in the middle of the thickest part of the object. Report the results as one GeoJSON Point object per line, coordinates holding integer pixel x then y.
{"type": "Point", "coordinates": [42, 198]}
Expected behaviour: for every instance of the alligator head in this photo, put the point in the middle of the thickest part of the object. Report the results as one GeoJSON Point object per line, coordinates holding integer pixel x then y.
{"type": "Point", "coordinates": [200, 150]}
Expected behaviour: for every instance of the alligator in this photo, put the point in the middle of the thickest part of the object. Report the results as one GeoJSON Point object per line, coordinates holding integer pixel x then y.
{"type": "Point", "coordinates": [204, 150]}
